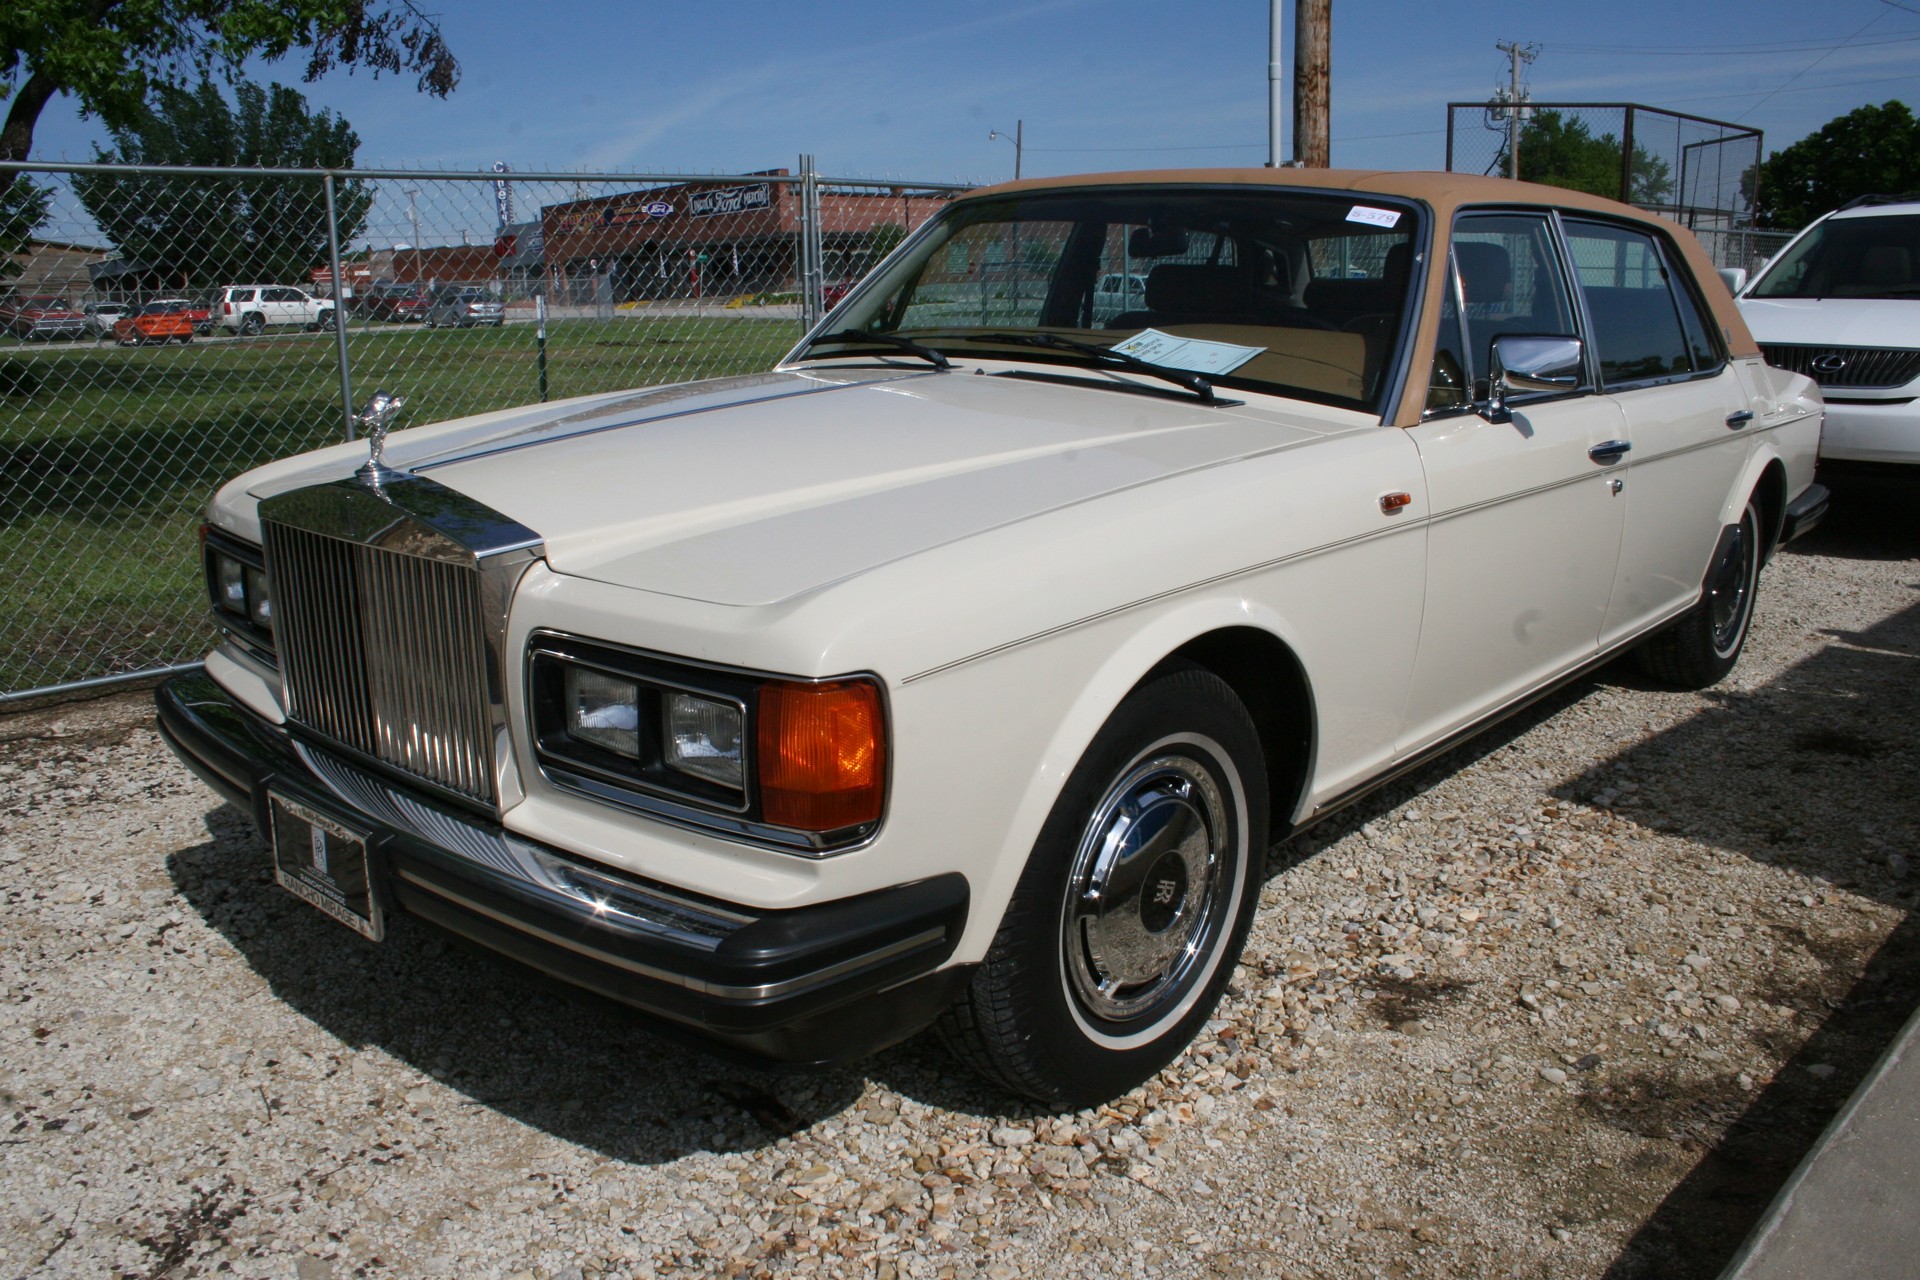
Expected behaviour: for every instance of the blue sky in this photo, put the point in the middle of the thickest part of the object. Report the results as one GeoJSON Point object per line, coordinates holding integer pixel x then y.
{"type": "Point", "coordinates": [911, 90]}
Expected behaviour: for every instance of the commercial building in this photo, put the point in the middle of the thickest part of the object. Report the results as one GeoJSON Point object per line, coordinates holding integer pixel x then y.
{"type": "Point", "coordinates": [722, 240]}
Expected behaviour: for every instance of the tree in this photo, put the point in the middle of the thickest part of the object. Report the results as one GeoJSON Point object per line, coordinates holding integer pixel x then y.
{"type": "Point", "coordinates": [203, 231]}
{"type": "Point", "coordinates": [1561, 151]}
{"type": "Point", "coordinates": [23, 207]}
{"type": "Point", "coordinates": [1870, 149]}
{"type": "Point", "coordinates": [110, 53]}
{"type": "Point", "coordinates": [882, 241]}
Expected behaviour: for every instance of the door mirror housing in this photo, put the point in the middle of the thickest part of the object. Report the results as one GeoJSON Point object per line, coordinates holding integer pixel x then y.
{"type": "Point", "coordinates": [1735, 278]}
{"type": "Point", "coordinates": [1525, 363]}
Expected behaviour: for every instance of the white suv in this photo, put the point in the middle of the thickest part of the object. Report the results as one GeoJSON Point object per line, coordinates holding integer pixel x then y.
{"type": "Point", "coordinates": [1841, 304]}
{"type": "Point", "coordinates": [249, 308]}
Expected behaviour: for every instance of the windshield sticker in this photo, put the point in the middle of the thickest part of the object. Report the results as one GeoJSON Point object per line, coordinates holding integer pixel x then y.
{"type": "Point", "coordinates": [1191, 354]}
{"type": "Point", "coordinates": [1374, 217]}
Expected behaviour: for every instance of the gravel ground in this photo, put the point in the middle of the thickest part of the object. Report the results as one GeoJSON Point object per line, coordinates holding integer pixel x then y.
{"type": "Point", "coordinates": [1570, 1003]}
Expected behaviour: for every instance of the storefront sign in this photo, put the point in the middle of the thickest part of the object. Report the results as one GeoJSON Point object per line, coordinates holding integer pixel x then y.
{"type": "Point", "coordinates": [705, 204]}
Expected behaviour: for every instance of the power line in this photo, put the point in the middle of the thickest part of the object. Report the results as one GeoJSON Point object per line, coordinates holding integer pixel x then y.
{"type": "Point", "coordinates": [1781, 88]}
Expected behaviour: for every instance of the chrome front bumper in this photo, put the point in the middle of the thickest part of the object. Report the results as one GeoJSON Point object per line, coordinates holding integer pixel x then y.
{"type": "Point", "coordinates": [814, 984]}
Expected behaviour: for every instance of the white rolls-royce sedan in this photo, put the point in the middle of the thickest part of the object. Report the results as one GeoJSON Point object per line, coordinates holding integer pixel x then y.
{"type": "Point", "coordinates": [962, 668]}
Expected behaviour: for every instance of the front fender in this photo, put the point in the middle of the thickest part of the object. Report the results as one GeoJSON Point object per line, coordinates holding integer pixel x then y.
{"type": "Point", "coordinates": [1073, 683]}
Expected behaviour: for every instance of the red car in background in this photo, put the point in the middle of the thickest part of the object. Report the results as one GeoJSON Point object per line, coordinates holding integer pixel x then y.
{"type": "Point", "coordinates": [167, 321]}
{"type": "Point", "coordinates": [198, 312]}
{"type": "Point", "coordinates": [41, 316]}
{"type": "Point", "coordinates": [400, 303]}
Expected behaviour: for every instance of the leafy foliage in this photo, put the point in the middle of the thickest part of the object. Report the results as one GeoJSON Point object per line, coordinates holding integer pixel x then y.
{"type": "Point", "coordinates": [23, 207]}
{"type": "Point", "coordinates": [1869, 150]}
{"type": "Point", "coordinates": [883, 240]}
{"type": "Point", "coordinates": [109, 54]}
{"type": "Point", "coordinates": [208, 231]}
{"type": "Point", "coordinates": [1561, 151]}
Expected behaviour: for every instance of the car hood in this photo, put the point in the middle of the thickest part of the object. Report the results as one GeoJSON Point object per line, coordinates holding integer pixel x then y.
{"type": "Point", "coordinates": [749, 491]}
{"type": "Point", "coordinates": [1834, 322]}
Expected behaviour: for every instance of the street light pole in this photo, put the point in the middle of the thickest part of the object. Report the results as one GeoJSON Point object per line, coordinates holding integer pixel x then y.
{"type": "Point", "coordinates": [413, 216]}
{"type": "Point", "coordinates": [1018, 140]}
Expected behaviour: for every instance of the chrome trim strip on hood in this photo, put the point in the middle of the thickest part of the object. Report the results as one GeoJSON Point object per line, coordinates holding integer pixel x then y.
{"type": "Point", "coordinates": [495, 450]}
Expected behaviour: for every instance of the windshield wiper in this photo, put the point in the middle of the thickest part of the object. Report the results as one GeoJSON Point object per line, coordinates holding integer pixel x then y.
{"type": "Point", "coordinates": [894, 340]}
{"type": "Point", "coordinates": [1181, 377]}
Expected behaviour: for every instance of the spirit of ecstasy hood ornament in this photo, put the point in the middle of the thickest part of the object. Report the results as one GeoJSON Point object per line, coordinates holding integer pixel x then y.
{"type": "Point", "coordinates": [376, 420]}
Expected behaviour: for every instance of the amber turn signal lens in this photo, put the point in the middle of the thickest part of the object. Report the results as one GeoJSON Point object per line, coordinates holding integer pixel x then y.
{"type": "Point", "coordinates": [822, 754]}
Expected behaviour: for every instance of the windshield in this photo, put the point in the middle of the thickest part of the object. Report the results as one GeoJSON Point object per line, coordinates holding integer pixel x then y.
{"type": "Point", "coordinates": [1306, 292]}
{"type": "Point", "coordinates": [1866, 257]}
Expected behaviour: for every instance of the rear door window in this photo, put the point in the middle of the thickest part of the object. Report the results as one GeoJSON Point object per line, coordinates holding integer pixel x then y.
{"type": "Point", "coordinates": [1645, 327]}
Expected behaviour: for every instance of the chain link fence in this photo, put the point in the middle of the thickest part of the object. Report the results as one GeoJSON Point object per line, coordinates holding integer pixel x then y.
{"type": "Point", "coordinates": [1701, 173]}
{"type": "Point", "coordinates": [164, 329]}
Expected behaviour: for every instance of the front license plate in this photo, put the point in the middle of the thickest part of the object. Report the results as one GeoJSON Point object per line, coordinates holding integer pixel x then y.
{"type": "Point", "coordinates": [325, 862]}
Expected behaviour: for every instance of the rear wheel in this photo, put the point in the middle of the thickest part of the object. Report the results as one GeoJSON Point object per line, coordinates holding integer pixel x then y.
{"type": "Point", "coordinates": [1704, 645]}
{"type": "Point", "coordinates": [1134, 903]}
{"type": "Point", "coordinates": [251, 324]}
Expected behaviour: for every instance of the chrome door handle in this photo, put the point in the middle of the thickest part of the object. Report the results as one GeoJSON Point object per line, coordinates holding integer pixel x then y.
{"type": "Point", "coordinates": [1739, 418]}
{"type": "Point", "coordinates": [1610, 451]}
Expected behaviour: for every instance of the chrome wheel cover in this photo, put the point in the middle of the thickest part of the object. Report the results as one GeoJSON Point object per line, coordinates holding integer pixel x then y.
{"type": "Point", "coordinates": [1146, 907]}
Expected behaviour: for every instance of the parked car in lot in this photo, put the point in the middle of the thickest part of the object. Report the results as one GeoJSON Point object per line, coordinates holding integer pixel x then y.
{"type": "Point", "coordinates": [1841, 304]}
{"type": "Point", "coordinates": [1119, 291]}
{"type": "Point", "coordinates": [39, 316]}
{"type": "Point", "coordinates": [248, 309]}
{"type": "Point", "coordinates": [963, 668]}
{"type": "Point", "coordinates": [101, 315]}
{"type": "Point", "coordinates": [169, 320]}
{"type": "Point", "coordinates": [399, 303]}
{"type": "Point", "coordinates": [461, 308]}
{"type": "Point", "coordinates": [198, 313]}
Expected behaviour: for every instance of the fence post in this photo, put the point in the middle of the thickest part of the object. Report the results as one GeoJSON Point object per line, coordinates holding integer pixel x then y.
{"type": "Point", "coordinates": [339, 309]}
{"type": "Point", "coordinates": [812, 266]}
{"type": "Point", "coordinates": [1626, 160]}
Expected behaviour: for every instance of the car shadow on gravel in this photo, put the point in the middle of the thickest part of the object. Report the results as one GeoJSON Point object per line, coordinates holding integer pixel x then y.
{"type": "Point", "coordinates": [1839, 725]}
{"type": "Point", "coordinates": [499, 1035]}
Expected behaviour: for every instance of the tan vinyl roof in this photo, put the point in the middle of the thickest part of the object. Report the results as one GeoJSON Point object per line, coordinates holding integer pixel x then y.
{"type": "Point", "coordinates": [1444, 193]}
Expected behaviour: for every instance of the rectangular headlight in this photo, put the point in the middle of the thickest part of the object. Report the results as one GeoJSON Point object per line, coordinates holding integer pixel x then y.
{"type": "Point", "coordinates": [259, 599]}
{"type": "Point", "coordinates": [239, 589]}
{"type": "Point", "coordinates": [230, 582]}
{"type": "Point", "coordinates": [705, 738]}
{"type": "Point", "coordinates": [603, 710]}
{"type": "Point", "coordinates": [796, 764]}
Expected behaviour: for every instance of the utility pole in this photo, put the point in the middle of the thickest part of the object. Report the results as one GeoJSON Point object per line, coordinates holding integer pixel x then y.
{"type": "Point", "coordinates": [1312, 69]}
{"type": "Point", "coordinates": [1516, 54]}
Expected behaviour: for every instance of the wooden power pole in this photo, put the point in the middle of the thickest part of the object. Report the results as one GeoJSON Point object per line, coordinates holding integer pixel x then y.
{"type": "Point", "coordinates": [1312, 64]}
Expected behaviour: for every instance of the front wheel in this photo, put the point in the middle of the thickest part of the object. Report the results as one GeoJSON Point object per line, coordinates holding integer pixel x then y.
{"type": "Point", "coordinates": [1134, 904]}
{"type": "Point", "coordinates": [325, 323]}
{"type": "Point", "coordinates": [1701, 648]}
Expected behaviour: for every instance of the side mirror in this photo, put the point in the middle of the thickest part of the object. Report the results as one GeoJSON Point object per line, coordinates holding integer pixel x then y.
{"type": "Point", "coordinates": [1735, 278]}
{"type": "Point", "coordinates": [1528, 363]}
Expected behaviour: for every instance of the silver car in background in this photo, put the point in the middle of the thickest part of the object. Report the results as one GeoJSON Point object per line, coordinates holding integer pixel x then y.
{"type": "Point", "coordinates": [465, 307]}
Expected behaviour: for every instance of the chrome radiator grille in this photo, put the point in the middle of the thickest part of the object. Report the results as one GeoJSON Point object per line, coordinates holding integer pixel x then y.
{"type": "Point", "coordinates": [384, 653]}
{"type": "Point", "coordinates": [1860, 367]}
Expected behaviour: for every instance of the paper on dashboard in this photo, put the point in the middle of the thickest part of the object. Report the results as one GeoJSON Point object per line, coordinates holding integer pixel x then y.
{"type": "Point", "coordinates": [1186, 353]}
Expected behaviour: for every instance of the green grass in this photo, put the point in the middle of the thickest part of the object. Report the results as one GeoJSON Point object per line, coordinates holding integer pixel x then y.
{"type": "Point", "coordinates": [109, 456]}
